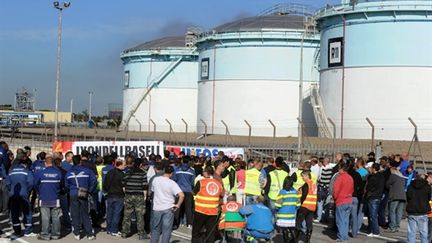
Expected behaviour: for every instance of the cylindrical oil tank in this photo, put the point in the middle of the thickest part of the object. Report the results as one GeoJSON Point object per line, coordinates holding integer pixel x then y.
{"type": "Point", "coordinates": [249, 72]}
{"type": "Point", "coordinates": [160, 85]}
{"type": "Point", "coordinates": [376, 63]}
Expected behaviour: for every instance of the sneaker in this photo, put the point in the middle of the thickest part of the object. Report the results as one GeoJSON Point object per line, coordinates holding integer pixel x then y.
{"type": "Point", "coordinates": [316, 220]}
{"type": "Point", "coordinates": [91, 237]}
{"type": "Point", "coordinates": [118, 234]}
{"type": "Point", "coordinates": [77, 237]}
{"type": "Point", "coordinates": [372, 235]}
{"type": "Point", "coordinates": [30, 235]}
{"type": "Point", "coordinates": [189, 226]}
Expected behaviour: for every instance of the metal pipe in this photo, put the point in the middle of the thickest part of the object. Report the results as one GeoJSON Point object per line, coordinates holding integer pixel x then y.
{"type": "Point", "coordinates": [171, 129]}
{"type": "Point", "coordinates": [274, 136]}
{"type": "Point", "coordinates": [139, 123]}
{"type": "Point", "coordinates": [249, 133]}
{"type": "Point", "coordinates": [90, 106]}
{"type": "Point", "coordinates": [334, 139]}
{"type": "Point", "coordinates": [343, 77]}
{"type": "Point", "coordinates": [226, 132]}
{"type": "Point", "coordinates": [300, 145]}
{"type": "Point", "coordinates": [186, 131]}
{"type": "Point", "coordinates": [300, 112]}
{"type": "Point", "coordinates": [373, 133]}
{"type": "Point", "coordinates": [205, 132]}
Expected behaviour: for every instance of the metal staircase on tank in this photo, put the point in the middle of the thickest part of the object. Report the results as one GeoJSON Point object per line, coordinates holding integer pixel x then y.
{"type": "Point", "coordinates": [324, 127]}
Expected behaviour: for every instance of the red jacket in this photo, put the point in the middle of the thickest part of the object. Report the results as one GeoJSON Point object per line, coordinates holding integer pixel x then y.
{"type": "Point", "coordinates": [343, 189]}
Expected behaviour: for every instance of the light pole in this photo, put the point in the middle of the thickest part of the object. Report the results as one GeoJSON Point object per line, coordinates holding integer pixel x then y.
{"type": "Point", "coordinates": [71, 109]}
{"type": "Point", "coordinates": [90, 105]}
{"type": "Point", "coordinates": [60, 7]}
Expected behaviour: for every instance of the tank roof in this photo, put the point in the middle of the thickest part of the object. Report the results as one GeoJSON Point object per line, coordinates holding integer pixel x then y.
{"type": "Point", "coordinates": [166, 42]}
{"type": "Point", "coordinates": [258, 23]}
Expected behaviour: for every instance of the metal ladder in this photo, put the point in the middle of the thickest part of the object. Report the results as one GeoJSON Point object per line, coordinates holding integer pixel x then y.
{"type": "Point", "coordinates": [324, 127]}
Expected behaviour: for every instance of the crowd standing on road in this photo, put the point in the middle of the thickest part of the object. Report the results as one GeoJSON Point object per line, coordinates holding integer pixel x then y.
{"type": "Point", "coordinates": [217, 198]}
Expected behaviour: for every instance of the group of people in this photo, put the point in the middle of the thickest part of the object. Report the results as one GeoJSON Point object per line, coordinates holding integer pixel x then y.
{"type": "Point", "coordinates": [214, 197]}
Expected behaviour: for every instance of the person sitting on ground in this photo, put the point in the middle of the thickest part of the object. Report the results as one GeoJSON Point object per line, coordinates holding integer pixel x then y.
{"type": "Point", "coordinates": [259, 220]}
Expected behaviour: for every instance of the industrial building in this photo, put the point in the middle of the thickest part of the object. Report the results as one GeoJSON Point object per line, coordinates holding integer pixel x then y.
{"type": "Point", "coordinates": [250, 72]}
{"type": "Point", "coordinates": [160, 84]}
{"type": "Point", "coordinates": [376, 63]}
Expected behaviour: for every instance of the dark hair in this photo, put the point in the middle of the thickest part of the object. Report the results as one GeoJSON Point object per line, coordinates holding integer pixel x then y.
{"type": "Point", "coordinates": [288, 183]}
{"type": "Point", "coordinates": [76, 159]}
{"type": "Point", "coordinates": [152, 157]}
{"type": "Point", "coordinates": [307, 173]}
{"type": "Point", "coordinates": [118, 163]}
{"type": "Point", "coordinates": [376, 166]}
{"type": "Point", "coordinates": [114, 155]}
{"type": "Point", "coordinates": [159, 166]}
{"type": "Point", "coordinates": [166, 153]}
{"type": "Point", "coordinates": [42, 155]}
{"type": "Point", "coordinates": [158, 157]}
{"type": "Point", "coordinates": [186, 159]}
{"type": "Point", "coordinates": [169, 170]}
{"type": "Point", "coordinates": [137, 162]}
{"type": "Point", "coordinates": [345, 166]}
{"type": "Point", "coordinates": [67, 153]}
{"type": "Point", "coordinates": [27, 148]}
{"type": "Point", "coordinates": [279, 161]}
{"type": "Point", "coordinates": [242, 165]}
{"type": "Point", "coordinates": [108, 160]}
{"type": "Point", "coordinates": [209, 170]}
{"type": "Point", "coordinates": [85, 154]}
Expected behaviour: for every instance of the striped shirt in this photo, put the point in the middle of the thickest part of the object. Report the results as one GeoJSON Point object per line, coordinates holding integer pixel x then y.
{"type": "Point", "coordinates": [135, 181]}
{"type": "Point", "coordinates": [326, 175]}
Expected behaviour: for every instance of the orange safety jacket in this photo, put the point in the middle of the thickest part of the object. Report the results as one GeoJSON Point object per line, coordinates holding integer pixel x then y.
{"type": "Point", "coordinates": [231, 218]}
{"type": "Point", "coordinates": [311, 199]}
{"type": "Point", "coordinates": [207, 198]}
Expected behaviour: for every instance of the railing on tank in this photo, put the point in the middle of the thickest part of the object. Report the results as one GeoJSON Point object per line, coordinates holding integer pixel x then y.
{"type": "Point", "coordinates": [289, 8]}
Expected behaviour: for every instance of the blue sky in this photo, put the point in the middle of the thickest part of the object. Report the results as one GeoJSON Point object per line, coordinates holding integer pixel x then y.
{"type": "Point", "coordinates": [94, 34]}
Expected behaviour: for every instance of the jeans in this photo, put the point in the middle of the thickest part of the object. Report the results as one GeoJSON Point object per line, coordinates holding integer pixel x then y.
{"type": "Point", "coordinates": [114, 210]}
{"type": "Point", "coordinates": [322, 200]}
{"type": "Point", "coordinates": [50, 219]}
{"type": "Point", "coordinates": [161, 222]}
{"type": "Point", "coordinates": [354, 217]}
{"type": "Point", "coordinates": [66, 219]}
{"type": "Point", "coordinates": [382, 210]}
{"type": "Point", "coordinates": [430, 230]}
{"type": "Point", "coordinates": [80, 215]}
{"type": "Point", "coordinates": [396, 211]}
{"type": "Point", "coordinates": [421, 222]}
{"type": "Point", "coordinates": [360, 215]}
{"type": "Point", "coordinates": [373, 206]}
{"type": "Point", "coordinates": [342, 220]}
{"type": "Point", "coordinates": [20, 205]}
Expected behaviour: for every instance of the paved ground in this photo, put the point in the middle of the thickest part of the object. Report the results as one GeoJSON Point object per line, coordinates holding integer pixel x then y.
{"type": "Point", "coordinates": [321, 234]}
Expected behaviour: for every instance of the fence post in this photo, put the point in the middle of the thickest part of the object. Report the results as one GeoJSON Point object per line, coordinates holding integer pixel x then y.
{"type": "Point", "coordinates": [300, 140]}
{"type": "Point", "coordinates": [154, 129]}
{"type": "Point", "coordinates": [205, 132]}
{"type": "Point", "coordinates": [186, 131]}
{"type": "Point", "coordinates": [226, 132]}
{"type": "Point", "coordinates": [334, 139]}
{"type": "Point", "coordinates": [171, 129]}
{"type": "Point", "coordinates": [373, 133]}
{"type": "Point", "coordinates": [274, 137]}
{"type": "Point", "coordinates": [249, 133]}
{"type": "Point", "coordinates": [139, 123]}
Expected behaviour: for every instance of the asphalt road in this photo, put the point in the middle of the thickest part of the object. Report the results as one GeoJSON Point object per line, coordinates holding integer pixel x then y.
{"type": "Point", "coordinates": [321, 233]}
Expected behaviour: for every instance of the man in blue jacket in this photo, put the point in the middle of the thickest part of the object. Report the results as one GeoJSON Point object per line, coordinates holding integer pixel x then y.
{"type": "Point", "coordinates": [48, 184]}
{"type": "Point", "coordinates": [259, 220]}
{"type": "Point", "coordinates": [184, 175]}
{"type": "Point", "coordinates": [84, 178]}
{"type": "Point", "coordinates": [20, 183]}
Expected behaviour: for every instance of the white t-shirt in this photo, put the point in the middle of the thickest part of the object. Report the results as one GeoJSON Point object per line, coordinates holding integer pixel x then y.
{"type": "Point", "coordinates": [164, 193]}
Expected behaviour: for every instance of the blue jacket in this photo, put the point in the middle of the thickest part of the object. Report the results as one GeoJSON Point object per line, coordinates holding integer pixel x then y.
{"type": "Point", "coordinates": [258, 218]}
{"type": "Point", "coordinates": [66, 165]}
{"type": "Point", "coordinates": [20, 181]}
{"type": "Point", "coordinates": [105, 171]}
{"type": "Point", "coordinates": [37, 166]}
{"type": "Point", "coordinates": [86, 178]}
{"type": "Point", "coordinates": [287, 202]}
{"type": "Point", "coordinates": [48, 183]}
{"type": "Point", "coordinates": [403, 167]}
{"type": "Point", "coordinates": [184, 175]}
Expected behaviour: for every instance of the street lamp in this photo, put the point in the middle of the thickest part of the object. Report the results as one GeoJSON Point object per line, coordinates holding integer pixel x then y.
{"type": "Point", "coordinates": [90, 106]}
{"type": "Point", "coordinates": [60, 7]}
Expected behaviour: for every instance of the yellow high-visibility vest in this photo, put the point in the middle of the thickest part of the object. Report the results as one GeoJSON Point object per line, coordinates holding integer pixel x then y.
{"type": "Point", "coordinates": [252, 183]}
{"type": "Point", "coordinates": [226, 182]}
{"type": "Point", "coordinates": [277, 178]}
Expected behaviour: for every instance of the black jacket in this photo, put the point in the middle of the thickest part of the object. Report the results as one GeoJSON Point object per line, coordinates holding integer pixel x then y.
{"type": "Point", "coordinates": [418, 196]}
{"type": "Point", "coordinates": [112, 184]}
{"type": "Point", "coordinates": [358, 193]}
{"type": "Point", "coordinates": [374, 186]}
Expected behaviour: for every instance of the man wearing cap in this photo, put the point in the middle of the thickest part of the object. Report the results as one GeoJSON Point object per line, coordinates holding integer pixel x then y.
{"type": "Point", "coordinates": [20, 183]}
{"type": "Point", "coordinates": [48, 184]}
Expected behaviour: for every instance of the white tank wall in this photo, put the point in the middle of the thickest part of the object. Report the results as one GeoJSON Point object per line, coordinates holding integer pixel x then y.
{"type": "Point", "coordinates": [163, 103]}
{"type": "Point", "coordinates": [254, 81]}
{"type": "Point", "coordinates": [385, 96]}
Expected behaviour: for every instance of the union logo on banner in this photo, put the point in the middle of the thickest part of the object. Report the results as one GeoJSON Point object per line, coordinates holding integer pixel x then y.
{"type": "Point", "coordinates": [62, 147]}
